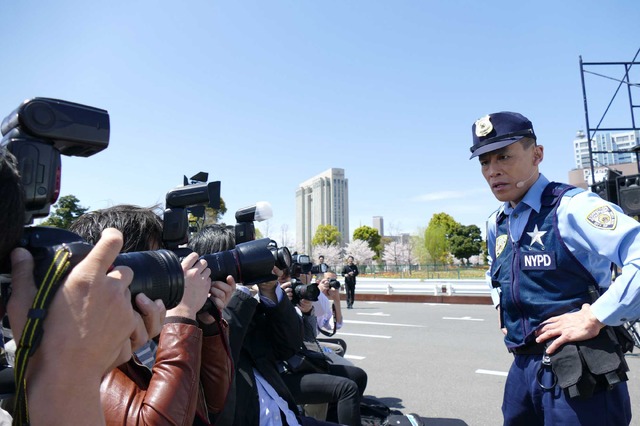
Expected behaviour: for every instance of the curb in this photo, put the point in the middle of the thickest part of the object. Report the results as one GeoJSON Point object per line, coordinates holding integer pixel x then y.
{"type": "Point", "coordinates": [422, 298]}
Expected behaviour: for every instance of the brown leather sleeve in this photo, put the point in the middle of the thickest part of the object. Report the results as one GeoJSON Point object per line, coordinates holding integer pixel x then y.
{"type": "Point", "coordinates": [169, 396]}
{"type": "Point", "coordinates": [217, 369]}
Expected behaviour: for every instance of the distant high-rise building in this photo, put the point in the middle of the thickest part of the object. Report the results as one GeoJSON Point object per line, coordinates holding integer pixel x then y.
{"type": "Point", "coordinates": [623, 162]}
{"type": "Point", "coordinates": [322, 200]}
{"type": "Point", "coordinates": [605, 141]}
{"type": "Point", "coordinates": [378, 223]}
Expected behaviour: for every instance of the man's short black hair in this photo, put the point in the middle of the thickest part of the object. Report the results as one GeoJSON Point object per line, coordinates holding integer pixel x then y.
{"type": "Point", "coordinates": [213, 238]}
{"type": "Point", "coordinates": [141, 227]}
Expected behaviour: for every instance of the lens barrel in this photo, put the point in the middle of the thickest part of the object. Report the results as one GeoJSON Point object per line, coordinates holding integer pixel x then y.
{"type": "Point", "coordinates": [158, 274]}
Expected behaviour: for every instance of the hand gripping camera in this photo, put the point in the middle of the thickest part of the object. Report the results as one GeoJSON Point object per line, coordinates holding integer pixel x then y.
{"type": "Point", "coordinates": [37, 133]}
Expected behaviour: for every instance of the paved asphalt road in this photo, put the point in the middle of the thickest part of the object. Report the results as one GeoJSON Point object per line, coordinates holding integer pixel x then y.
{"type": "Point", "coordinates": [446, 363]}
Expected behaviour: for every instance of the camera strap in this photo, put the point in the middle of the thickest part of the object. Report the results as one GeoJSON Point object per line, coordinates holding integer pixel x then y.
{"type": "Point", "coordinates": [32, 333]}
{"type": "Point", "coordinates": [335, 323]}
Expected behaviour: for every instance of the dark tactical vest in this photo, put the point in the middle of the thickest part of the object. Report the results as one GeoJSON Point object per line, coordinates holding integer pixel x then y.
{"type": "Point", "coordinates": [539, 277]}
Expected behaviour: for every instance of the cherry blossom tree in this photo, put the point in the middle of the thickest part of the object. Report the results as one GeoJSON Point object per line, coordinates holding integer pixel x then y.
{"type": "Point", "coordinates": [332, 255]}
{"type": "Point", "coordinates": [398, 254]}
{"type": "Point", "coordinates": [361, 252]}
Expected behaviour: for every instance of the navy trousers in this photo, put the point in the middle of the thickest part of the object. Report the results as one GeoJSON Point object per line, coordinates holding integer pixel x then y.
{"type": "Point", "coordinates": [526, 403]}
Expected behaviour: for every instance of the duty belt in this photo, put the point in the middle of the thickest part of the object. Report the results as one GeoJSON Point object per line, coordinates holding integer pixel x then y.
{"type": "Point", "coordinates": [531, 348]}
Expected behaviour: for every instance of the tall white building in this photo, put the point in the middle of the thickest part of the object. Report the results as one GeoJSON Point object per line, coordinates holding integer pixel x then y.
{"type": "Point", "coordinates": [322, 200]}
{"type": "Point", "coordinates": [605, 141]}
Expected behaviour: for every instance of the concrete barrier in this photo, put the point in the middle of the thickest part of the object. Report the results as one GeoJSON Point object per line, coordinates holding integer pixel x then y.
{"type": "Point", "coordinates": [427, 291]}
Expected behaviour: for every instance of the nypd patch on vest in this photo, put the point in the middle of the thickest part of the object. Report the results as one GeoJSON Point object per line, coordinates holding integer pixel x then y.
{"type": "Point", "coordinates": [538, 261]}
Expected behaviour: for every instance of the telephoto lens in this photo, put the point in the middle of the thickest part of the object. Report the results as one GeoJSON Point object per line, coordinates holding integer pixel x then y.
{"type": "Point", "coordinates": [304, 291]}
{"type": "Point", "coordinates": [249, 263]}
{"type": "Point", "coordinates": [158, 274]}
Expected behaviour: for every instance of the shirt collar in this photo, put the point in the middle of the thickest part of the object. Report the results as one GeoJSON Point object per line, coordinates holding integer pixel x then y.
{"type": "Point", "coordinates": [533, 197]}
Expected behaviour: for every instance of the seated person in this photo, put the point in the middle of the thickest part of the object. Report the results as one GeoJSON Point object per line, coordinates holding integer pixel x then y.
{"type": "Point", "coordinates": [342, 385]}
{"type": "Point", "coordinates": [330, 320]}
{"type": "Point", "coordinates": [264, 328]}
{"type": "Point", "coordinates": [190, 352]}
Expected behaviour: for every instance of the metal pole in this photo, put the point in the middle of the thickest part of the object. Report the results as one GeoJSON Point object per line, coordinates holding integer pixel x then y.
{"type": "Point", "coordinates": [586, 118]}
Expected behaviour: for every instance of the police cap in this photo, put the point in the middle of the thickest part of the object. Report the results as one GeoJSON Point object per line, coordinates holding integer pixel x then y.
{"type": "Point", "coordinates": [497, 130]}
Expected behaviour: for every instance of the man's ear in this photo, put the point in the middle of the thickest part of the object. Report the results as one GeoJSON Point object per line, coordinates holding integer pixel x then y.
{"type": "Point", "coordinates": [538, 154]}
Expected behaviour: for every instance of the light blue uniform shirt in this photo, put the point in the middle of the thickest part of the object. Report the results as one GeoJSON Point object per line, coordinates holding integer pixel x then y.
{"type": "Point", "coordinates": [597, 233]}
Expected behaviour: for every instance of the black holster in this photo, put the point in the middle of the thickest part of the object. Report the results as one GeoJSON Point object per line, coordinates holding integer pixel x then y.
{"type": "Point", "coordinates": [591, 365]}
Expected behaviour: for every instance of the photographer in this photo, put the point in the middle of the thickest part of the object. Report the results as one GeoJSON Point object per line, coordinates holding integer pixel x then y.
{"type": "Point", "coordinates": [62, 388]}
{"type": "Point", "coordinates": [339, 383]}
{"type": "Point", "coordinates": [264, 328]}
{"type": "Point", "coordinates": [187, 361]}
{"type": "Point", "coordinates": [330, 319]}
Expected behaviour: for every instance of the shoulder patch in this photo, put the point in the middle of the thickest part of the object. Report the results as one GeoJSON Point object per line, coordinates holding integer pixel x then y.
{"type": "Point", "coordinates": [501, 241]}
{"type": "Point", "coordinates": [604, 217]}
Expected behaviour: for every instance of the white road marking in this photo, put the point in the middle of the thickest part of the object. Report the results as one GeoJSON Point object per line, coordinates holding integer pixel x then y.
{"type": "Point", "coordinates": [354, 357]}
{"type": "Point", "coordinates": [382, 323]}
{"type": "Point", "coordinates": [492, 372]}
{"type": "Point", "coordinates": [375, 314]}
{"type": "Point", "coordinates": [463, 318]}
{"type": "Point", "coordinates": [377, 336]}
{"type": "Point", "coordinates": [437, 304]}
{"type": "Point", "coordinates": [374, 302]}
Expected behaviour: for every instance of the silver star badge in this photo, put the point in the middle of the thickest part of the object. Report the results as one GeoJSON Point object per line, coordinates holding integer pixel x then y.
{"type": "Point", "coordinates": [536, 236]}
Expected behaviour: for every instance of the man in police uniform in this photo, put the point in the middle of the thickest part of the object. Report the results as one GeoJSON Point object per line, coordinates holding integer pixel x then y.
{"type": "Point", "coordinates": [551, 247]}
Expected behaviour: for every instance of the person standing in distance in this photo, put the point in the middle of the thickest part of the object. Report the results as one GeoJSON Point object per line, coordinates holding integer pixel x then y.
{"type": "Point", "coordinates": [550, 249]}
{"type": "Point", "coordinates": [350, 272]}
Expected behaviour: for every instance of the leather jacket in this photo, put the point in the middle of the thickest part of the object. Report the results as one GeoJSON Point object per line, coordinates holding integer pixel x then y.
{"type": "Point", "coordinates": [188, 366]}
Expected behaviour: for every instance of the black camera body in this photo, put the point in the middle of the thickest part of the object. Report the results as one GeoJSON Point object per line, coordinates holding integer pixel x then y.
{"type": "Point", "coordinates": [334, 283]}
{"type": "Point", "coordinates": [301, 264]}
{"type": "Point", "coordinates": [37, 133]}
{"type": "Point", "coordinates": [304, 291]}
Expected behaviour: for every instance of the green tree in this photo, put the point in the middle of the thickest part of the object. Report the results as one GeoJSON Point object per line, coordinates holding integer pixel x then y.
{"type": "Point", "coordinates": [444, 220]}
{"type": "Point", "coordinates": [435, 242]}
{"type": "Point", "coordinates": [326, 234]}
{"type": "Point", "coordinates": [420, 250]}
{"type": "Point", "coordinates": [371, 236]}
{"type": "Point", "coordinates": [211, 216]}
{"type": "Point", "coordinates": [465, 241]}
{"type": "Point", "coordinates": [436, 236]}
{"type": "Point", "coordinates": [67, 209]}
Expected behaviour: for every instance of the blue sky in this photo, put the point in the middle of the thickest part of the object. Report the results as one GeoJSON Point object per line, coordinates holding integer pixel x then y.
{"type": "Point", "coordinates": [263, 94]}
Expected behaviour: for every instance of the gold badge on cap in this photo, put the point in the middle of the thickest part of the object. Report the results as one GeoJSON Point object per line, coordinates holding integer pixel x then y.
{"type": "Point", "coordinates": [603, 217]}
{"type": "Point", "coordinates": [483, 126]}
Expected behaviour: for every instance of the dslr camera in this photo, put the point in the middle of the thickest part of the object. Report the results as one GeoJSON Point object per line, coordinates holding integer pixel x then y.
{"type": "Point", "coordinates": [301, 264]}
{"type": "Point", "coordinates": [250, 262]}
{"type": "Point", "coordinates": [334, 283]}
{"type": "Point", "coordinates": [37, 133]}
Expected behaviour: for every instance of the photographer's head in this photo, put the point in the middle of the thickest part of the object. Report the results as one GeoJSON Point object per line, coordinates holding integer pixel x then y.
{"type": "Point", "coordinates": [140, 226]}
{"type": "Point", "coordinates": [12, 196]}
{"type": "Point", "coordinates": [329, 280]}
{"type": "Point", "coordinates": [213, 239]}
